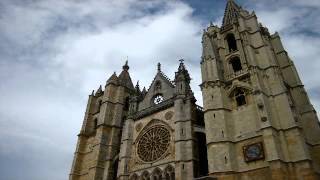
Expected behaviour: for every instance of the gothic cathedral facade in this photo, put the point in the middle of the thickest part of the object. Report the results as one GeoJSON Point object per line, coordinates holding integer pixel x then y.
{"type": "Point", "coordinates": [257, 122]}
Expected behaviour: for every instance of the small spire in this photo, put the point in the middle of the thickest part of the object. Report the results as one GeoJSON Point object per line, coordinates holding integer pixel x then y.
{"type": "Point", "coordinates": [181, 66]}
{"type": "Point", "coordinates": [126, 66]}
{"type": "Point", "coordinates": [159, 67]}
{"type": "Point", "coordinates": [99, 91]}
{"type": "Point", "coordinates": [92, 93]}
{"type": "Point", "coordinates": [113, 78]}
{"type": "Point", "coordinates": [144, 91]}
{"type": "Point", "coordinates": [138, 88]}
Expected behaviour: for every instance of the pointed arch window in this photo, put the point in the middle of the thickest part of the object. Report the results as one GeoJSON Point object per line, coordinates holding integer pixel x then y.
{"type": "Point", "coordinates": [145, 176]}
{"type": "Point", "coordinates": [235, 64]}
{"type": "Point", "coordinates": [157, 174]}
{"type": "Point", "coordinates": [134, 177]}
{"type": "Point", "coordinates": [240, 97]}
{"type": "Point", "coordinates": [232, 43]}
{"type": "Point", "coordinates": [126, 104]}
{"type": "Point", "coordinates": [95, 123]}
{"type": "Point", "coordinates": [169, 173]}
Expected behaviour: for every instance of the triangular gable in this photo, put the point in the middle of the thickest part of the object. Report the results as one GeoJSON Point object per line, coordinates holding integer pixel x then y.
{"type": "Point", "coordinates": [166, 89]}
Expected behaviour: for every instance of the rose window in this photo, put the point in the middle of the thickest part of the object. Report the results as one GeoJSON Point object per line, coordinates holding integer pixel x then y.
{"type": "Point", "coordinates": [153, 143]}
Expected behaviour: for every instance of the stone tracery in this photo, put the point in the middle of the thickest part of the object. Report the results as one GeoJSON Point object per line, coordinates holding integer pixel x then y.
{"type": "Point", "coordinates": [153, 143]}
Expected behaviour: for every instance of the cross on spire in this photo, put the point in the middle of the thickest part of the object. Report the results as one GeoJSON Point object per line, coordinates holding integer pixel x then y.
{"type": "Point", "coordinates": [159, 67]}
{"type": "Point", "coordinates": [181, 60]}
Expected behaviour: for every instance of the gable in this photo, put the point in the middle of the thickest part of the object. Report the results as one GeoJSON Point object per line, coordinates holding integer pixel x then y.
{"type": "Point", "coordinates": [160, 85]}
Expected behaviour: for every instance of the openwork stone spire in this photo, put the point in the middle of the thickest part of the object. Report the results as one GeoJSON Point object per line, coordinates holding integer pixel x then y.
{"type": "Point", "coordinates": [231, 13]}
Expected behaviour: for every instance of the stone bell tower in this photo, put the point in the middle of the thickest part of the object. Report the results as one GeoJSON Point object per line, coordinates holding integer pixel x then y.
{"type": "Point", "coordinates": [259, 121]}
{"type": "Point", "coordinates": [96, 155]}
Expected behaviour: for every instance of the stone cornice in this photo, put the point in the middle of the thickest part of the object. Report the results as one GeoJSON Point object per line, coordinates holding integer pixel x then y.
{"type": "Point", "coordinates": [217, 82]}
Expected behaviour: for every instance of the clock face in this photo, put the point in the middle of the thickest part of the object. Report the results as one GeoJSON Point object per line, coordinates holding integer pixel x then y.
{"type": "Point", "coordinates": [158, 99]}
{"type": "Point", "coordinates": [253, 152]}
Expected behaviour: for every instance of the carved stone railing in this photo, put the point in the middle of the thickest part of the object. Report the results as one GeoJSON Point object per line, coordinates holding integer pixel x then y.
{"type": "Point", "coordinates": [237, 74]}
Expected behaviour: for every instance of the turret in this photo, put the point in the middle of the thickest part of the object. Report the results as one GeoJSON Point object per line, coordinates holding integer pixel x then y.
{"type": "Point", "coordinates": [124, 77]}
{"type": "Point", "coordinates": [182, 82]}
{"type": "Point", "coordinates": [99, 91]}
{"type": "Point", "coordinates": [113, 79]}
{"type": "Point", "coordinates": [211, 64]}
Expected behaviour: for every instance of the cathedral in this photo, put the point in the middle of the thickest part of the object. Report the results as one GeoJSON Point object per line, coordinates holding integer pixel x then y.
{"type": "Point", "coordinates": [256, 123]}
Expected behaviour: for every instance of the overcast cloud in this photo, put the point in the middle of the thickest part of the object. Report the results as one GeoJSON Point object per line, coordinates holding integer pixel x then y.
{"type": "Point", "coordinates": [53, 53]}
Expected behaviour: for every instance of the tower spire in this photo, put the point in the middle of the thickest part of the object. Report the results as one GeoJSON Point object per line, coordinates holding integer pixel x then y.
{"type": "Point", "coordinates": [231, 13]}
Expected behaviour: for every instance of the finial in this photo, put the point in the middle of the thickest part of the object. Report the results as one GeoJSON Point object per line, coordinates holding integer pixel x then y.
{"type": "Point", "coordinates": [137, 85]}
{"type": "Point", "coordinates": [126, 66]}
{"type": "Point", "coordinates": [159, 67]}
{"type": "Point", "coordinates": [211, 24]}
{"type": "Point", "coordinates": [92, 93]}
{"type": "Point", "coordinates": [144, 91]}
{"type": "Point", "coordinates": [181, 61]}
{"type": "Point", "coordinates": [99, 91]}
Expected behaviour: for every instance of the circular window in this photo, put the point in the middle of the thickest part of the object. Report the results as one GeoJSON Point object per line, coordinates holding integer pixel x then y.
{"type": "Point", "coordinates": [158, 99]}
{"type": "Point", "coordinates": [153, 143]}
{"type": "Point", "coordinates": [168, 115]}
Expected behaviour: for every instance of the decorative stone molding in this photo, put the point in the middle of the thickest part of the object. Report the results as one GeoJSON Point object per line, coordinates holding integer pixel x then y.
{"type": "Point", "coordinates": [153, 109]}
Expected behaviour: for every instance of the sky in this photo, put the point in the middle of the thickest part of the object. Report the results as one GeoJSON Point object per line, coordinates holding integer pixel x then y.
{"type": "Point", "coordinates": [53, 53]}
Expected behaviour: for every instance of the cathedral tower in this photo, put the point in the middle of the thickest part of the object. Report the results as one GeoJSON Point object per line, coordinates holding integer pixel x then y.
{"type": "Point", "coordinates": [259, 122]}
{"type": "Point", "coordinates": [96, 156]}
